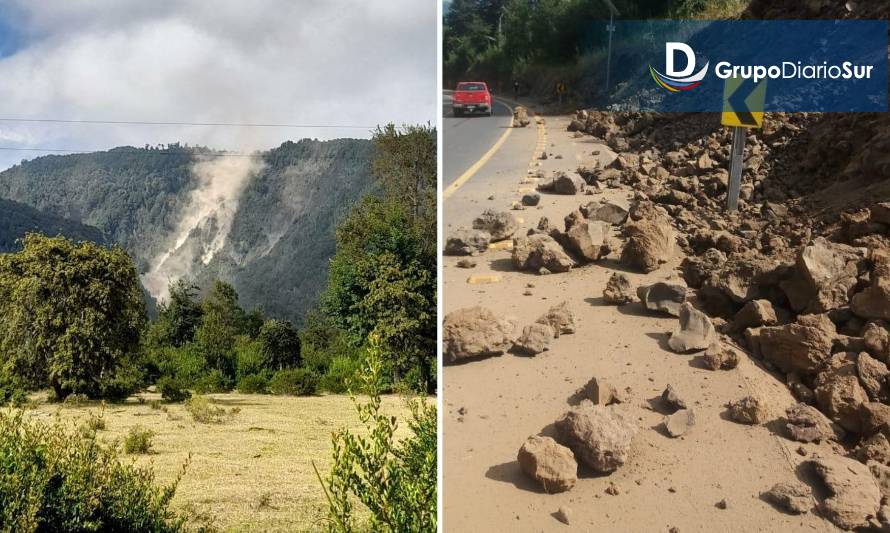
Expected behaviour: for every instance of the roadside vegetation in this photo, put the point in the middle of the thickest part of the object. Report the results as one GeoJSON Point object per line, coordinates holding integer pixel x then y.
{"type": "Point", "coordinates": [73, 321]}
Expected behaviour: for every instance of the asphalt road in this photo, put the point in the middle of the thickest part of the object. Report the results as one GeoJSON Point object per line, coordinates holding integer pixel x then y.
{"type": "Point", "coordinates": [468, 138]}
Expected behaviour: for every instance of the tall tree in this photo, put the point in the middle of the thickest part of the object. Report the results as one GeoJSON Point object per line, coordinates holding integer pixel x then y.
{"type": "Point", "coordinates": [69, 313]}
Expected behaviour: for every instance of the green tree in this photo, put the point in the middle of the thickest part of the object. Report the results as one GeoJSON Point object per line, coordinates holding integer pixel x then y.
{"type": "Point", "coordinates": [222, 322]}
{"type": "Point", "coordinates": [280, 344]}
{"type": "Point", "coordinates": [70, 314]}
{"type": "Point", "coordinates": [178, 317]}
{"type": "Point", "coordinates": [395, 480]}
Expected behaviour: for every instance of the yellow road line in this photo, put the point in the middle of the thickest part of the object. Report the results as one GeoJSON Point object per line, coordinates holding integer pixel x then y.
{"type": "Point", "coordinates": [477, 165]}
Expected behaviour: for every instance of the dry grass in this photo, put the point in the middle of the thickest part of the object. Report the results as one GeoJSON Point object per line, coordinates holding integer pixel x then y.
{"type": "Point", "coordinates": [252, 472]}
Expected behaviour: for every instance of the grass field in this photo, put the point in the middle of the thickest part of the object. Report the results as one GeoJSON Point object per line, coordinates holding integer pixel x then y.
{"type": "Point", "coordinates": [253, 472]}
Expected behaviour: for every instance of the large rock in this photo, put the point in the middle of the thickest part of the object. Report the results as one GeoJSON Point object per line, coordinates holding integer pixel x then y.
{"type": "Point", "coordinates": [475, 332]}
{"type": "Point", "coordinates": [754, 314]}
{"type": "Point", "coordinates": [567, 184]}
{"type": "Point", "coordinates": [874, 448]}
{"type": "Point", "coordinates": [618, 290]}
{"type": "Point", "coordinates": [802, 347]}
{"type": "Point", "coordinates": [467, 242]}
{"type": "Point", "coordinates": [694, 332]}
{"type": "Point", "coordinates": [663, 297]}
{"type": "Point", "coordinates": [648, 243]}
{"type": "Point", "coordinates": [831, 270]}
{"type": "Point", "coordinates": [614, 211]}
{"type": "Point", "coordinates": [520, 117]}
{"type": "Point", "coordinates": [560, 318]}
{"type": "Point", "coordinates": [549, 463]}
{"type": "Point", "coordinates": [874, 301]}
{"type": "Point", "coordinates": [873, 376]}
{"type": "Point", "coordinates": [838, 393]}
{"type": "Point", "coordinates": [876, 340]}
{"type": "Point", "coordinates": [794, 498]}
{"type": "Point", "coordinates": [588, 240]}
{"type": "Point", "coordinates": [499, 224]}
{"type": "Point", "coordinates": [679, 423]}
{"type": "Point", "coordinates": [534, 339]}
{"type": "Point", "coordinates": [600, 436]}
{"type": "Point", "coordinates": [875, 418]}
{"type": "Point", "coordinates": [854, 495]}
{"type": "Point", "coordinates": [748, 410]}
{"type": "Point", "coordinates": [540, 251]}
{"type": "Point", "coordinates": [808, 424]}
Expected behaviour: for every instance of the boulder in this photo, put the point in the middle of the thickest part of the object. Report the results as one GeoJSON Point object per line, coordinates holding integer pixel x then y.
{"type": "Point", "coordinates": [600, 392]}
{"type": "Point", "coordinates": [560, 318]}
{"type": "Point", "coordinates": [663, 297]}
{"type": "Point", "coordinates": [599, 435]}
{"type": "Point", "coordinates": [679, 423]}
{"type": "Point", "coordinates": [808, 424]}
{"type": "Point", "coordinates": [876, 340]}
{"type": "Point", "coordinates": [613, 212]}
{"type": "Point", "coordinates": [467, 242]}
{"type": "Point", "coordinates": [875, 418]}
{"type": "Point", "coordinates": [648, 244]}
{"type": "Point", "coordinates": [534, 339]}
{"type": "Point", "coordinates": [854, 495]}
{"type": "Point", "coordinates": [874, 301]}
{"type": "Point", "coordinates": [881, 474]}
{"type": "Point", "coordinates": [838, 393]}
{"type": "Point", "coordinates": [531, 199]}
{"type": "Point", "coordinates": [799, 347]}
{"type": "Point", "coordinates": [588, 240]}
{"type": "Point", "coordinates": [618, 290]}
{"type": "Point", "coordinates": [694, 332]}
{"type": "Point", "coordinates": [475, 332]}
{"type": "Point", "coordinates": [540, 251]}
{"type": "Point", "coordinates": [549, 463]}
{"type": "Point", "coordinates": [499, 224]}
{"type": "Point", "coordinates": [831, 269]}
{"type": "Point", "coordinates": [794, 498]}
{"type": "Point", "coordinates": [874, 448]}
{"type": "Point", "coordinates": [567, 184]}
{"type": "Point", "coordinates": [520, 117]}
{"type": "Point", "coordinates": [748, 410]}
{"type": "Point", "coordinates": [720, 357]}
{"type": "Point", "coordinates": [754, 314]}
{"type": "Point", "coordinates": [873, 376]}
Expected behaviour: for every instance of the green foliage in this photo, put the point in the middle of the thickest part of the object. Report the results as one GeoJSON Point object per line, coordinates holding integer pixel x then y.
{"type": "Point", "coordinates": [279, 345]}
{"type": "Point", "coordinates": [138, 440]}
{"type": "Point", "coordinates": [253, 384]}
{"type": "Point", "coordinates": [69, 314]}
{"type": "Point", "coordinates": [213, 381]}
{"type": "Point", "coordinates": [173, 389]}
{"type": "Point", "coordinates": [293, 382]}
{"type": "Point", "coordinates": [202, 410]}
{"type": "Point", "coordinates": [395, 481]}
{"type": "Point", "coordinates": [20, 219]}
{"type": "Point", "coordinates": [120, 385]}
{"type": "Point", "coordinates": [341, 371]}
{"type": "Point", "coordinates": [222, 321]}
{"type": "Point", "coordinates": [52, 480]}
{"type": "Point", "coordinates": [178, 317]}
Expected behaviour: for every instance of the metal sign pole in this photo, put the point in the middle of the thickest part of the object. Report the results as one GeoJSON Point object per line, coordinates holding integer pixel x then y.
{"type": "Point", "coordinates": [611, 30]}
{"type": "Point", "coordinates": [735, 169]}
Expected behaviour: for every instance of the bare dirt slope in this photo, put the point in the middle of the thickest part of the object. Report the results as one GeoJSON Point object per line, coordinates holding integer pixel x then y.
{"type": "Point", "coordinates": [493, 405]}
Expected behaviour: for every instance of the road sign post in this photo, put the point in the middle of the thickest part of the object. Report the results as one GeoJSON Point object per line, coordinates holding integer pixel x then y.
{"type": "Point", "coordinates": [735, 169]}
{"type": "Point", "coordinates": [610, 29]}
{"type": "Point", "coordinates": [743, 103]}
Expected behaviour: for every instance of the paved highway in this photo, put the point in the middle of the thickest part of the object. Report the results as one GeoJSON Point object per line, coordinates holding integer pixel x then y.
{"type": "Point", "coordinates": [468, 138]}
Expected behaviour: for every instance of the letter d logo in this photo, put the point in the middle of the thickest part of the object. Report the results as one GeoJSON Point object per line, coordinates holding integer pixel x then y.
{"type": "Point", "coordinates": [678, 80]}
{"type": "Point", "coordinates": [670, 50]}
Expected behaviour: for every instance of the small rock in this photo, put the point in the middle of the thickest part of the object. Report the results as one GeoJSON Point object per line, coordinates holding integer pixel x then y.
{"type": "Point", "coordinates": [874, 448]}
{"type": "Point", "coordinates": [680, 422]}
{"type": "Point", "coordinates": [721, 504]}
{"type": "Point", "coordinates": [475, 332]}
{"type": "Point", "coordinates": [664, 297]}
{"type": "Point", "coordinates": [754, 314]}
{"type": "Point", "coordinates": [549, 463]}
{"type": "Point", "coordinates": [618, 290]}
{"type": "Point", "coordinates": [694, 332]}
{"type": "Point", "coordinates": [467, 242]}
{"type": "Point", "coordinates": [599, 435]}
{"type": "Point", "coordinates": [718, 357]}
{"type": "Point", "coordinates": [531, 199]}
{"type": "Point", "coordinates": [672, 399]}
{"type": "Point", "coordinates": [748, 410]}
{"type": "Point", "coordinates": [534, 339]}
{"type": "Point", "coordinates": [466, 263]}
{"type": "Point", "coordinates": [560, 318]}
{"type": "Point", "coordinates": [612, 489]}
{"type": "Point", "coordinates": [794, 498]}
{"type": "Point", "coordinates": [808, 424]}
{"type": "Point", "coordinates": [540, 252]}
{"type": "Point", "coordinates": [499, 224]}
{"type": "Point", "coordinates": [600, 391]}
{"type": "Point", "coordinates": [566, 184]}
{"type": "Point", "coordinates": [564, 515]}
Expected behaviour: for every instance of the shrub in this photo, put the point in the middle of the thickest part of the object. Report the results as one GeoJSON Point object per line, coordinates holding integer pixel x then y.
{"type": "Point", "coordinates": [58, 481]}
{"type": "Point", "coordinates": [280, 344]}
{"type": "Point", "coordinates": [96, 422]}
{"type": "Point", "coordinates": [212, 382]}
{"type": "Point", "coordinates": [248, 358]}
{"type": "Point", "coordinates": [341, 370]}
{"type": "Point", "coordinates": [203, 411]}
{"type": "Point", "coordinates": [253, 384]}
{"type": "Point", "coordinates": [138, 440]}
{"type": "Point", "coordinates": [173, 389]}
{"type": "Point", "coordinates": [394, 479]}
{"type": "Point", "coordinates": [293, 382]}
{"type": "Point", "coordinates": [121, 385]}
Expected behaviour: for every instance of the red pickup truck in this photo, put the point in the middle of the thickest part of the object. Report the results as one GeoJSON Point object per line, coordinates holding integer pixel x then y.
{"type": "Point", "coordinates": [471, 97]}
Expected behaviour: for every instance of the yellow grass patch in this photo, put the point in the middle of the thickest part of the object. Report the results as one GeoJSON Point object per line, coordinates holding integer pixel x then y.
{"type": "Point", "coordinates": [253, 472]}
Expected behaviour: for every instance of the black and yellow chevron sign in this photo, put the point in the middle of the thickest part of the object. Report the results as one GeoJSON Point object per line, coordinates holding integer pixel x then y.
{"type": "Point", "coordinates": [743, 102]}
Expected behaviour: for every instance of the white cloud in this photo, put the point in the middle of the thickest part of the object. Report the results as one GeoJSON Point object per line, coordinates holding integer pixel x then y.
{"type": "Point", "coordinates": [359, 62]}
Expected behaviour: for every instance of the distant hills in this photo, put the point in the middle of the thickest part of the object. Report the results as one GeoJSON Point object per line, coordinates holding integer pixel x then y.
{"type": "Point", "coordinates": [264, 222]}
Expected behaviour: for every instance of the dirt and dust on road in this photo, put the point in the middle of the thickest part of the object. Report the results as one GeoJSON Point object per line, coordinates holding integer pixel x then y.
{"type": "Point", "coordinates": [623, 354]}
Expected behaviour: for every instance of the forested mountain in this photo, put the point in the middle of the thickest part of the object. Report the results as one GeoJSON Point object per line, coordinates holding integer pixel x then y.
{"type": "Point", "coordinates": [18, 219]}
{"type": "Point", "coordinates": [264, 222]}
